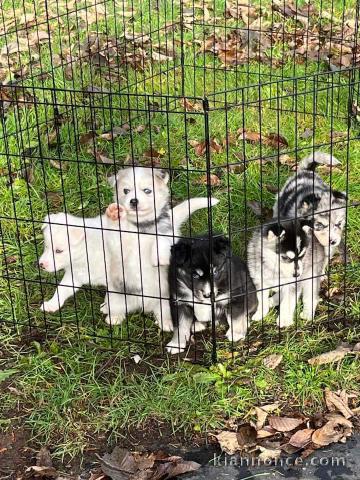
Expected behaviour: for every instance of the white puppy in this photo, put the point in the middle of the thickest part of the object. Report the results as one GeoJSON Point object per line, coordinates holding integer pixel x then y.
{"type": "Point", "coordinates": [141, 253]}
{"type": "Point", "coordinates": [78, 246]}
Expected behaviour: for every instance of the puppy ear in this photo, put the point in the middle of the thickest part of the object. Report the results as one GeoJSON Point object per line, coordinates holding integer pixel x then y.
{"type": "Point", "coordinates": [180, 251]}
{"type": "Point", "coordinates": [339, 196]}
{"type": "Point", "coordinates": [112, 180]}
{"type": "Point", "coordinates": [45, 222]}
{"type": "Point", "coordinates": [221, 245]}
{"type": "Point", "coordinates": [76, 234]}
{"type": "Point", "coordinates": [275, 232]}
{"type": "Point", "coordinates": [310, 202]}
{"type": "Point", "coordinates": [163, 175]}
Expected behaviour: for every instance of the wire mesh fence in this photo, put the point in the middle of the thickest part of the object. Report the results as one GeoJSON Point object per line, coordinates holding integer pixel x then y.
{"type": "Point", "coordinates": [120, 120]}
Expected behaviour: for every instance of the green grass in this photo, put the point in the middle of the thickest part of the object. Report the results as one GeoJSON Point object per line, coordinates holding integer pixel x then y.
{"type": "Point", "coordinates": [70, 393]}
{"type": "Point", "coordinates": [65, 399]}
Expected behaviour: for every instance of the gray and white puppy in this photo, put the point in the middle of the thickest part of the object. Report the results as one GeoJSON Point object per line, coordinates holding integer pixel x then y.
{"type": "Point", "coordinates": [284, 257]}
{"type": "Point", "coordinates": [305, 194]}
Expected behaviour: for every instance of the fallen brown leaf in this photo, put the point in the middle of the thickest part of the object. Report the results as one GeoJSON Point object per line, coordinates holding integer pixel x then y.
{"type": "Point", "coordinates": [246, 436]}
{"type": "Point", "coordinates": [87, 137]}
{"type": "Point", "coordinates": [191, 106]}
{"type": "Point", "coordinates": [266, 432]}
{"type": "Point", "coordinates": [200, 147]}
{"type": "Point", "coordinates": [252, 137]}
{"type": "Point", "coordinates": [335, 402]}
{"type": "Point", "coordinates": [284, 424]}
{"type": "Point", "coordinates": [272, 361]}
{"type": "Point", "coordinates": [214, 180]}
{"type": "Point", "coordinates": [337, 429]}
{"type": "Point", "coordinates": [43, 458]}
{"type": "Point", "coordinates": [269, 453]}
{"type": "Point", "coordinates": [275, 140]}
{"type": "Point", "coordinates": [10, 259]}
{"type": "Point", "coordinates": [301, 438]}
{"type": "Point", "coordinates": [42, 471]}
{"type": "Point", "coordinates": [116, 132]}
{"type": "Point", "coordinates": [228, 442]}
{"type": "Point", "coordinates": [330, 357]}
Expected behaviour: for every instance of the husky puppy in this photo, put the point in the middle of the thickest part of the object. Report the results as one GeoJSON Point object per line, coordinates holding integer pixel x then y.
{"type": "Point", "coordinates": [306, 194]}
{"type": "Point", "coordinates": [76, 245]}
{"type": "Point", "coordinates": [190, 276]}
{"type": "Point", "coordinates": [140, 252]}
{"type": "Point", "coordinates": [284, 256]}
{"type": "Point", "coordinates": [79, 246]}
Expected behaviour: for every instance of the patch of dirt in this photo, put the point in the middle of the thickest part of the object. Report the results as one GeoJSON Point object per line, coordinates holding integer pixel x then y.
{"type": "Point", "coordinates": [15, 452]}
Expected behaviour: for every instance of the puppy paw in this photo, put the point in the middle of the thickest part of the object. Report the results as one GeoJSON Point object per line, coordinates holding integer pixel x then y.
{"type": "Point", "coordinates": [173, 350]}
{"type": "Point", "coordinates": [235, 336]}
{"type": "Point", "coordinates": [307, 315]}
{"type": "Point", "coordinates": [199, 327]}
{"type": "Point", "coordinates": [284, 322]}
{"type": "Point", "coordinates": [104, 308]}
{"type": "Point", "coordinates": [165, 325]}
{"type": "Point", "coordinates": [114, 319]}
{"type": "Point", "coordinates": [257, 316]}
{"type": "Point", "coordinates": [115, 212]}
{"type": "Point", "coordinates": [49, 306]}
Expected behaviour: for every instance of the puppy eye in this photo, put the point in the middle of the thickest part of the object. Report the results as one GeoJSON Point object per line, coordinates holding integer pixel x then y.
{"type": "Point", "coordinates": [147, 191]}
{"type": "Point", "coordinates": [58, 250]}
{"type": "Point", "coordinates": [285, 258]}
{"type": "Point", "coordinates": [195, 275]}
{"type": "Point", "coordinates": [126, 191]}
{"type": "Point", "coordinates": [339, 225]}
{"type": "Point", "coordinates": [319, 226]}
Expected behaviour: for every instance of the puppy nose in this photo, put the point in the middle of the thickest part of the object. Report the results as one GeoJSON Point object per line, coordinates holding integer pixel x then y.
{"type": "Point", "coordinates": [134, 202]}
{"type": "Point", "coordinates": [333, 242]}
{"type": "Point", "coordinates": [41, 265]}
{"type": "Point", "coordinates": [297, 274]}
{"type": "Point", "coordinates": [207, 295]}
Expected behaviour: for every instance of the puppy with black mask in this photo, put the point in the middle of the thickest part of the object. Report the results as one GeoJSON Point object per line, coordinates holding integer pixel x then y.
{"type": "Point", "coordinates": [196, 270]}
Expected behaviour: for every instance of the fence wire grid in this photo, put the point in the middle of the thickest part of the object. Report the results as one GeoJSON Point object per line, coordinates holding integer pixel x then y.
{"type": "Point", "coordinates": [146, 105]}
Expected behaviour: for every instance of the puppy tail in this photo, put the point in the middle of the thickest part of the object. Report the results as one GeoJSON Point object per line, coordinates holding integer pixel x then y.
{"type": "Point", "coordinates": [185, 209]}
{"type": "Point", "coordinates": [318, 158]}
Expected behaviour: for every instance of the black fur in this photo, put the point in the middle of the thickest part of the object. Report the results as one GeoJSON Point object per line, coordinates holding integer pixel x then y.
{"type": "Point", "coordinates": [231, 280]}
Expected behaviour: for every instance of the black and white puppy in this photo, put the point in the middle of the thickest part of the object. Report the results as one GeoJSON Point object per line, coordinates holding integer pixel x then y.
{"type": "Point", "coordinates": [192, 267]}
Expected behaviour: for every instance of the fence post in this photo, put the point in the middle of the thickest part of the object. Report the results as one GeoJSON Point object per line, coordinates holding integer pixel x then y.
{"type": "Point", "coordinates": [210, 227]}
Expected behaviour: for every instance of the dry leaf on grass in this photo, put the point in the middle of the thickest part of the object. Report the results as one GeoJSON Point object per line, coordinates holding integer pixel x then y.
{"type": "Point", "coordinates": [190, 106]}
{"type": "Point", "coordinates": [335, 402]}
{"type": "Point", "coordinates": [301, 438]}
{"type": "Point", "coordinates": [252, 137]}
{"type": "Point", "coordinates": [246, 436]}
{"type": "Point", "coordinates": [275, 140]}
{"type": "Point", "coordinates": [337, 429]}
{"type": "Point", "coordinates": [37, 471]}
{"type": "Point", "coordinates": [10, 259]}
{"type": "Point", "coordinates": [269, 453]}
{"type": "Point", "coordinates": [330, 357]}
{"type": "Point", "coordinates": [228, 442]}
{"type": "Point", "coordinates": [116, 132]}
{"type": "Point", "coordinates": [262, 413]}
{"type": "Point", "coordinates": [88, 137]}
{"type": "Point", "coordinates": [284, 424]}
{"type": "Point", "coordinates": [272, 361]}
{"type": "Point", "coordinates": [214, 180]}
{"type": "Point", "coordinates": [200, 147]}
{"type": "Point", "coordinates": [43, 458]}
{"type": "Point", "coordinates": [266, 432]}
{"type": "Point", "coordinates": [124, 465]}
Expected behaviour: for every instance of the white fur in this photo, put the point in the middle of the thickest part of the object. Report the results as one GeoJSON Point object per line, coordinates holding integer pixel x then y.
{"type": "Point", "coordinates": [139, 260]}
{"type": "Point", "coordinates": [83, 254]}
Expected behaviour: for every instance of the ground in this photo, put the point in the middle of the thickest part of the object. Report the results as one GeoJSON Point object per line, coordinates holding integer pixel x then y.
{"type": "Point", "coordinates": [66, 379]}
